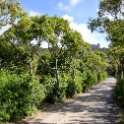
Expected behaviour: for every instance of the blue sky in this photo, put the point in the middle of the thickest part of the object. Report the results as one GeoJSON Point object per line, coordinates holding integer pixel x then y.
{"type": "Point", "coordinates": [76, 11]}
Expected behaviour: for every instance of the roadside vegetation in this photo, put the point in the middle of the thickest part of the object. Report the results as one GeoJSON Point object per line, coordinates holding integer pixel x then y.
{"type": "Point", "coordinates": [111, 21]}
{"type": "Point", "coordinates": [30, 74]}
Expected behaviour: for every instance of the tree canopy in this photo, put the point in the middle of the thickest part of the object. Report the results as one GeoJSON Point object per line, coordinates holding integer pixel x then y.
{"type": "Point", "coordinates": [30, 73]}
{"type": "Point", "coordinates": [10, 10]}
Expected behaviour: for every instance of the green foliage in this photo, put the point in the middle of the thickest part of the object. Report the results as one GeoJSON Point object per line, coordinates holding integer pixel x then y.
{"type": "Point", "coordinates": [53, 92]}
{"type": "Point", "coordinates": [77, 78]}
{"type": "Point", "coordinates": [66, 68]}
{"type": "Point", "coordinates": [78, 81]}
{"type": "Point", "coordinates": [43, 67]}
{"type": "Point", "coordinates": [89, 79]}
{"type": "Point", "coordinates": [96, 61]}
{"type": "Point", "coordinates": [102, 76]}
{"type": "Point", "coordinates": [115, 33]}
{"type": "Point", "coordinates": [71, 88]}
{"type": "Point", "coordinates": [119, 90]}
{"type": "Point", "coordinates": [99, 77]}
{"type": "Point", "coordinates": [10, 10]}
{"type": "Point", "coordinates": [74, 86]}
{"type": "Point", "coordinates": [12, 59]}
{"type": "Point", "coordinates": [18, 96]}
{"type": "Point", "coordinates": [111, 70]}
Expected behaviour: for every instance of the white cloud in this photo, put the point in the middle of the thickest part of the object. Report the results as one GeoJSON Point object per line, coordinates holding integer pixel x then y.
{"type": "Point", "coordinates": [69, 18]}
{"type": "Point", "coordinates": [74, 2]}
{"type": "Point", "coordinates": [68, 7]}
{"type": "Point", "coordinates": [63, 7]}
{"type": "Point", "coordinates": [44, 44]}
{"type": "Point", "coordinates": [92, 38]}
{"type": "Point", "coordinates": [32, 13]}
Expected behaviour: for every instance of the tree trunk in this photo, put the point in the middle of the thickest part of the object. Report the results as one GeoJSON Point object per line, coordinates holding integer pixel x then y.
{"type": "Point", "coordinates": [73, 73]}
{"type": "Point", "coordinates": [57, 72]}
{"type": "Point", "coordinates": [30, 68]}
{"type": "Point", "coordinates": [119, 73]}
{"type": "Point", "coordinates": [123, 76]}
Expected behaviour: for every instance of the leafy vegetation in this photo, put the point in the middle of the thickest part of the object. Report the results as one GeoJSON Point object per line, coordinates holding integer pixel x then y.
{"type": "Point", "coordinates": [30, 74]}
{"type": "Point", "coordinates": [114, 29]}
{"type": "Point", "coordinates": [19, 95]}
{"type": "Point", "coordinates": [9, 11]}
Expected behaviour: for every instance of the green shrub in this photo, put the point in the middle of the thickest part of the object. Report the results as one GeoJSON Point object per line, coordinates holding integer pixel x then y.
{"type": "Point", "coordinates": [74, 86]}
{"type": "Point", "coordinates": [18, 96]}
{"type": "Point", "coordinates": [102, 76]}
{"type": "Point", "coordinates": [71, 88]}
{"type": "Point", "coordinates": [99, 77]}
{"type": "Point", "coordinates": [13, 59]}
{"type": "Point", "coordinates": [89, 79]}
{"type": "Point", "coordinates": [54, 93]}
{"type": "Point", "coordinates": [119, 90]}
{"type": "Point", "coordinates": [78, 82]}
{"type": "Point", "coordinates": [85, 84]}
{"type": "Point", "coordinates": [94, 79]}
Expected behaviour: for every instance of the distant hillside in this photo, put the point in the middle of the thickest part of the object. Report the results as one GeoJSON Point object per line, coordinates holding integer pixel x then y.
{"type": "Point", "coordinates": [43, 50]}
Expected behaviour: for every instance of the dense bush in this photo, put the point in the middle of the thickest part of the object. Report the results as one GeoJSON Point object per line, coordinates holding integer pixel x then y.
{"type": "Point", "coordinates": [88, 80]}
{"type": "Point", "coordinates": [69, 84]}
{"type": "Point", "coordinates": [71, 88]}
{"type": "Point", "coordinates": [54, 93]}
{"type": "Point", "coordinates": [104, 75]}
{"type": "Point", "coordinates": [13, 59]}
{"type": "Point", "coordinates": [78, 81]}
{"type": "Point", "coordinates": [74, 86]}
{"type": "Point", "coordinates": [111, 70]}
{"type": "Point", "coordinates": [68, 87]}
{"type": "Point", "coordinates": [101, 76]}
{"type": "Point", "coordinates": [18, 96]}
{"type": "Point", "coordinates": [119, 90]}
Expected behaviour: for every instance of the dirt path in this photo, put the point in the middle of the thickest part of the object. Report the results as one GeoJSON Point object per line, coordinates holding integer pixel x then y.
{"type": "Point", "coordinates": [94, 107]}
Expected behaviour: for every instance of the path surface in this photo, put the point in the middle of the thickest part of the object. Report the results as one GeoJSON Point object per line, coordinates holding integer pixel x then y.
{"type": "Point", "coordinates": [94, 107]}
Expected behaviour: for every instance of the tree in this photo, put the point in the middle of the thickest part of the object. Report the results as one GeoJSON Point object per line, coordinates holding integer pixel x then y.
{"type": "Point", "coordinates": [9, 11]}
{"type": "Point", "coordinates": [117, 53]}
{"type": "Point", "coordinates": [24, 32]}
{"type": "Point", "coordinates": [63, 45]}
{"type": "Point", "coordinates": [112, 8]}
{"type": "Point", "coordinates": [11, 59]}
{"type": "Point", "coordinates": [114, 28]}
{"type": "Point", "coordinates": [96, 61]}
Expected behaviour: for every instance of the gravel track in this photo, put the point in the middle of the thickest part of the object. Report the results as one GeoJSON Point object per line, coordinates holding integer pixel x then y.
{"type": "Point", "coordinates": [93, 107]}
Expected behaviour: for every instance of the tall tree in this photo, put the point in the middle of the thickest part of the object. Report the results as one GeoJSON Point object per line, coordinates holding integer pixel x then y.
{"type": "Point", "coordinates": [24, 32]}
{"type": "Point", "coordinates": [114, 28]}
{"type": "Point", "coordinates": [96, 61]}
